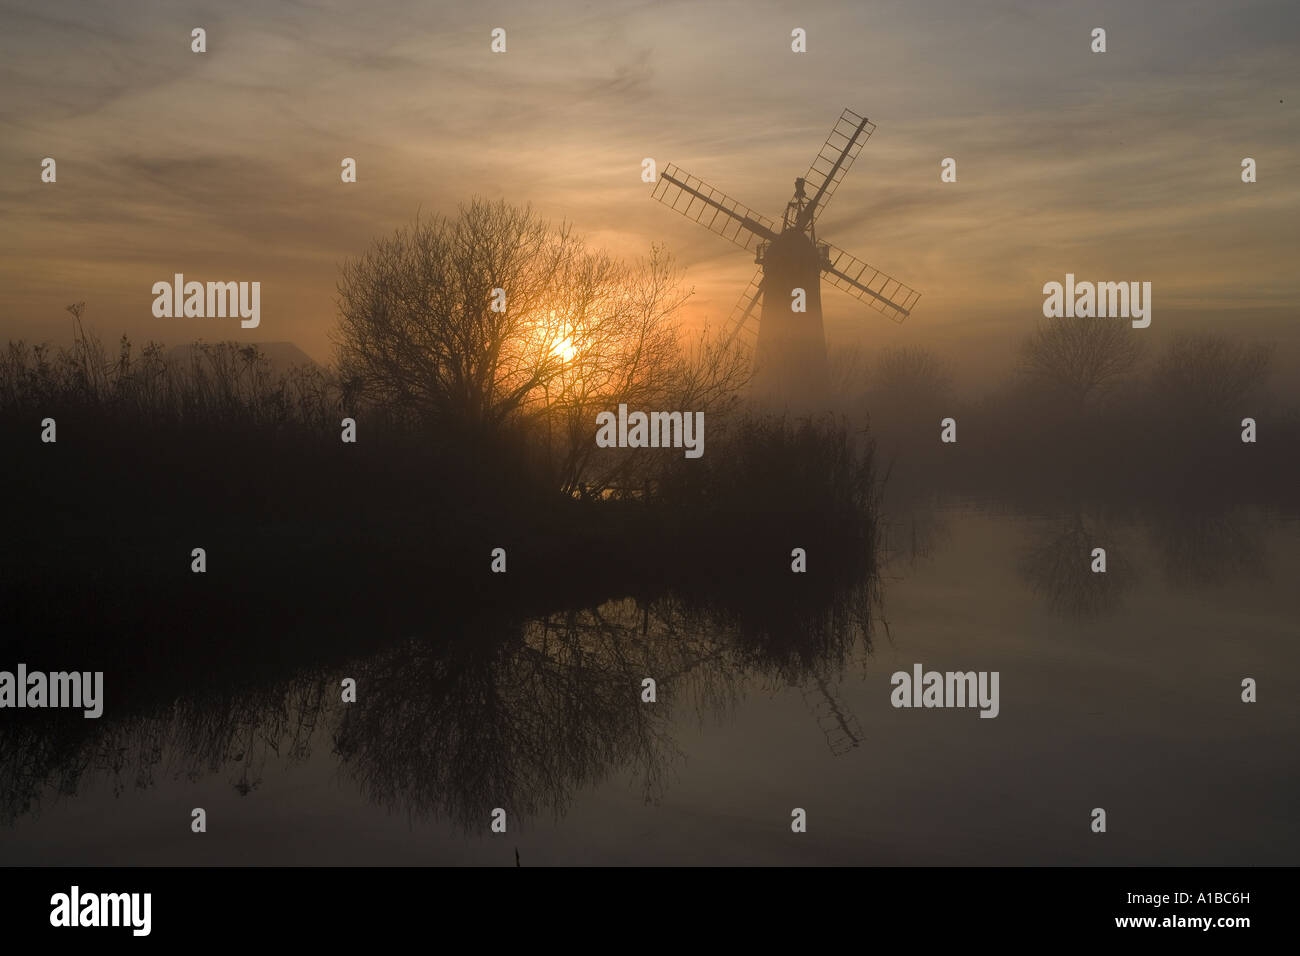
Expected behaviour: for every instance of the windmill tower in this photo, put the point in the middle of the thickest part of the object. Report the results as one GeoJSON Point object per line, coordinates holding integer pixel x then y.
{"type": "Point", "coordinates": [789, 346]}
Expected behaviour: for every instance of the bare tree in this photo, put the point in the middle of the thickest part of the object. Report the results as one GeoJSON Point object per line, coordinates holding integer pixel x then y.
{"type": "Point", "coordinates": [1056, 564]}
{"type": "Point", "coordinates": [847, 368]}
{"type": "Point", "coordinates": [911, 375]}
{"type": "Point", "coordinates": [639, 355]}
{"type": "Point", "coordinates": [418, 329]}
{"type": "Point", "coordinates": [1203, 374]}
{"type": "Point", "coordinates": [909, 389]}
{"type": "Point", "coordinates": [1081, 357]}
{"type": "Point", "coordinates": [581, 332]}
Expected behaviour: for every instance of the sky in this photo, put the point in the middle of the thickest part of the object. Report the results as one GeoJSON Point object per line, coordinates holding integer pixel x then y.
{"type": "Point", "coordinates": [1115, 166]}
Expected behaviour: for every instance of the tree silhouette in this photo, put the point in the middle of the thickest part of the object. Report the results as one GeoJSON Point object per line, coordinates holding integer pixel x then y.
{"type": "Point", "coordinates": [1056, 563]}
{"type": "Point", "coordinates": [418, 329]}
{"type": "Point", "coordinates": [910, 374]}
{"type": "Point", "coordinates": [580, 332]}
{"type": "Point", "coordinates": [1202, 374]}
{"type": "Point", "coordinates": [1081, 359]}
{"type": "Point", "coordinates": [909, 387]}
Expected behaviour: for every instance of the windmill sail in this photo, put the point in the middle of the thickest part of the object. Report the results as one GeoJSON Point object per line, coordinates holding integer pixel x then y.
{"type": "Point", "coordinates": [742, 325]}
{"type": "Point", "coordinates": [837, 722]}
{"type": "Point", "coordinates": [712, 209]}
{"type": "Point", "coordinates": [837, 154]}
{"type": "Point", "coordinates": [883, 293]}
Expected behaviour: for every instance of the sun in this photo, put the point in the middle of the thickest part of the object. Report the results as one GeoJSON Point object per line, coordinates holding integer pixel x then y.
{"type": "Point", "coordinates": [556, 338]}
{"type": "Point", "coordinates": [564, 349]}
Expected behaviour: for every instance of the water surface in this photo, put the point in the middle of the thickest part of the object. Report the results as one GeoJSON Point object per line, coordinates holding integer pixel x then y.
{"type": "Point", "coordinates": [1119, 691]}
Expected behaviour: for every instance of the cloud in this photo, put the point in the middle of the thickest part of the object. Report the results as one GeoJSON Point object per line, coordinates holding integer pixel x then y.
{"type": "Point", "coordinates": [228, 162]}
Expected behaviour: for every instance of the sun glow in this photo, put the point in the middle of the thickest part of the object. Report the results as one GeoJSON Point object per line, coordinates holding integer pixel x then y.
{"type": "Point", "coordinates": [559, 337]}
{"type": "Point", "coordinates": [564, 349]}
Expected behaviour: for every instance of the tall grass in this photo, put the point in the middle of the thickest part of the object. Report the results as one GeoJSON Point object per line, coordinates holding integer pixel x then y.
{"type": "Point", "coordinates": [220, 384]}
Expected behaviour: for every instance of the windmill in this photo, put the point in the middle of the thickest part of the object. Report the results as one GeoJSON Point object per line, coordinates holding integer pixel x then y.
{"type": "Point", "coordinates": [790, 365]}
